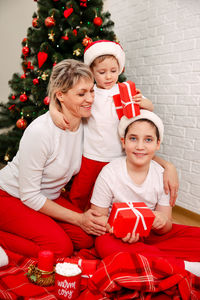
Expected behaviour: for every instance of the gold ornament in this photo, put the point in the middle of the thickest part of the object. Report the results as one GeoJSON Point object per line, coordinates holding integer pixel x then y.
{"type": "Point", "coordinates": [51, 36]}
{"type": "Point", "coordinates": [6, 157]}
{"type": "Point", "coordinates": [44, 76]}
{"type": "Point", "coordinates": [77, 52]}
{"type": "Point", "coordinates": [40, 277]}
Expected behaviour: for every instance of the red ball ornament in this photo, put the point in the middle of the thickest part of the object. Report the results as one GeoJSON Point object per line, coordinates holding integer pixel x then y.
{"type": "Point", "coordinates": [35, 22]}
{"type": "Point", "coordinates": [23, 98]}
{"type": "Point", "coordinates": [86, 41]}
{"type": "Point", "coordinates": [25, 50]}
{"type": "Point", "coordinates": [49, 22]}
{"type": "Point", "coordinates": [23, 76]}
{"type": "Point", "coordinates": [68, 12]}
{"type": "Point", "coordinates": [21, 123]}
{"type": "Point", "coordinates": [97, 21]}
{"type": "Point", "coordinates": [46, 100]}
{"type": "Point", "coordinates": [75, 32]}
{"type": "Point", "coordinates": [13, 97]}
{"type": "Point", "coordinates": [35, 81]}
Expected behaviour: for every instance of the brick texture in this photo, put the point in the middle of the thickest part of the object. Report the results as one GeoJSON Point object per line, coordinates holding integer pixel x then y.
{"type": "Point", "coordinates": [161, 39]}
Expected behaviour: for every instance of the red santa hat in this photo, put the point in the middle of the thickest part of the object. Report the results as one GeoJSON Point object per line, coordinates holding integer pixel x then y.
{"type": "Point", "coordinates": [104, 47]}
{"type": "Point", "coordinates": [145, 115]}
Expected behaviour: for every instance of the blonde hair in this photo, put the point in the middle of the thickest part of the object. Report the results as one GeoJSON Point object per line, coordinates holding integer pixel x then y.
{"type": "Point", "coordinates": [65, 75]}
{"type": "Point", "coordinates": [101, 58]}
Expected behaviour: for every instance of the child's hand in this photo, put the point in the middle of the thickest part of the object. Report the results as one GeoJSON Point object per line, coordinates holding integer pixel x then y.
{"type": "Point", "coordinates": [171, 182]}
{"type": "Point", "coordinates": [131, 238]}
{"type": "Point", "coordinates": [58, 118]}
{"type": "Point", "coordinates": [142, 101]}
{"type": "Point", "coordinates": [160, 220]}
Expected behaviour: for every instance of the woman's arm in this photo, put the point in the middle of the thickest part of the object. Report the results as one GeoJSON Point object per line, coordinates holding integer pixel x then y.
{"type": "Point", "coordinates": [90, 221]}
{"type": "Point", "coordinates": [170, 178]}
{"type": "Point", "coordinates": [162, 222]}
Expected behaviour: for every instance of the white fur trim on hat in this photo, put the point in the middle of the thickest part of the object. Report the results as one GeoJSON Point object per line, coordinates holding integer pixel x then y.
{"type": "Point", "coordinates": [104, 47]}
{"type": "Point", "coordinates": [144, 114]}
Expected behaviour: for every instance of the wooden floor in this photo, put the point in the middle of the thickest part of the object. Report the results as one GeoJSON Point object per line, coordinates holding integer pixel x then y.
{"type": "Point", "coordinates": [183, 216]}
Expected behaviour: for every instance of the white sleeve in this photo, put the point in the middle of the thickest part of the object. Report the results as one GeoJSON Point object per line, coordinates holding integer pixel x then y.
{"type": "Point", "coordinates": [164, 199]}
{"type": "Point", "coordinates": [33, 153]}
{"type": "Point", "coordinates": [102, 194]}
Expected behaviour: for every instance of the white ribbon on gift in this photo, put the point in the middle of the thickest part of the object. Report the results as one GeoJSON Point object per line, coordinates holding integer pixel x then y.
{"type": "Point", "coordinates": [130, 96]}
{"type": "Point", "coordinates": [137, 214]}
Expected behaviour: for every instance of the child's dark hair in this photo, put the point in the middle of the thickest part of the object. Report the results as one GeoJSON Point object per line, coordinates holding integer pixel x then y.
{"type": "Point", "coordinates": [142, 120]}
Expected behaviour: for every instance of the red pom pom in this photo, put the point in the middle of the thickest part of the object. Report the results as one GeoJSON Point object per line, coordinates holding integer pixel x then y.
{"type": "Point", "coordinates": [46, 100]}
{"type": "Point", "coordinates": [97, 21]}
{"type": "Point", "coordinates": [23, 76]}
{"type": "Point", "coordinates": [23, 98]}
{"type": "Point", "coordinates": [13, 97]}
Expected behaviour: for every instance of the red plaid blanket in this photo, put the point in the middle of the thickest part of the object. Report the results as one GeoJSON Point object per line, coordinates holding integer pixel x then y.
{"type": "Point", "coordinates": [120, 276]}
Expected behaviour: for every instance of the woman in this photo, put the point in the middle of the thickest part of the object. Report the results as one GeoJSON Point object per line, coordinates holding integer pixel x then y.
{"type": "Point", "coordinates": [47, 159]}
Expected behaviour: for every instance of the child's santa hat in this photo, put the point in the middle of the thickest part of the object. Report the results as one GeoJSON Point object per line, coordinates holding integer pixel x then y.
{"type": "Point", "coordinates": [104, 47]}
{"type": "Point", "coordinates": [144, 115]}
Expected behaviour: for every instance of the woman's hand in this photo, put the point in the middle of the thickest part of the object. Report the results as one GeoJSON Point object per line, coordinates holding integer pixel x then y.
{"type": "Point", "coordinates": [171, 182]}
{"type": "Point", "coordinates": [92, 222]}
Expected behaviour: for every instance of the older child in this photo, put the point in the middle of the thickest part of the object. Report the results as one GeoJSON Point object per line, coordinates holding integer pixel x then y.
{"type": "Point", "coordinates": [101, 141]}
{"type": "Point", "coordinates": [137, 178]}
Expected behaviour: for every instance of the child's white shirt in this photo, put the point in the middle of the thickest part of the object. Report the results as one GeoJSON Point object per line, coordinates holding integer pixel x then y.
{"type": "Point", "coordinates": [115, 185]}
{"type": "Point", "coordinates": [101, 139]}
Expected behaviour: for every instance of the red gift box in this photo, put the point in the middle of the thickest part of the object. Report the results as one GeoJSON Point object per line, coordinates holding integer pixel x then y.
{"type": "Point", "coordinates": [127, 91]}
{"type": "Point", "coordinates": [118, 105]}
{"type": "Point", "coordinates": [131, 217]}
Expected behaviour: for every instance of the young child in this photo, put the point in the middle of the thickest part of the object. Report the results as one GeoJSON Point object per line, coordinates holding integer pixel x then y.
{"type": "Point", "coordinates": [101, 141]}
{"type": "Point", "coordinates": [137, 178]}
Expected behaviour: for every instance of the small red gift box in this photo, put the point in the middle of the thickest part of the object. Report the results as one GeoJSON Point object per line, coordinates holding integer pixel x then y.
{"type": "Point", "coordinates": [127, 91]}
{"type": "Point", "coordinates": [131, 217]}
{"type": "Point", "coordinates": [118, 105]}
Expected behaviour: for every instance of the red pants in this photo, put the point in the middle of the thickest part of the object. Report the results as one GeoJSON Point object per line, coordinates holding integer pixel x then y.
{"type": "Point", "coordinates": [26, 231]}
{"type": "Point", "coordinates": [82, 187]}
{"type": "Point", "coordinates": [181, 243]}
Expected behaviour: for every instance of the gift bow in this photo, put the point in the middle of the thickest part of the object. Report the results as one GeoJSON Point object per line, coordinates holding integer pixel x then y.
{"type": "Point", "coordinates": [137, 214]}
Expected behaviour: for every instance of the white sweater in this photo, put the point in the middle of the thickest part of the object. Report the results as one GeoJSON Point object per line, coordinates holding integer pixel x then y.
{"type": "Point", "coordinates": [46, 160]}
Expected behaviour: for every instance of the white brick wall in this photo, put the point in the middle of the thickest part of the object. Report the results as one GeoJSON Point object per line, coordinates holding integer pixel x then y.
{"type": "Point", "coordinates": [161, 39]}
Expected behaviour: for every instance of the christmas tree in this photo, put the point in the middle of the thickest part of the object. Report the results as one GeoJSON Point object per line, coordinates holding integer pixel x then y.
{"type": "Point", "coordinates": [60, 29]}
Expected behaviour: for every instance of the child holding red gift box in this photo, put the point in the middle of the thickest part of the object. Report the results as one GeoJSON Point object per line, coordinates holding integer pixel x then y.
{"type": "Point", "coordinates": [137, 178]}
{"type": "Point", "coordinates": [101, 141]}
